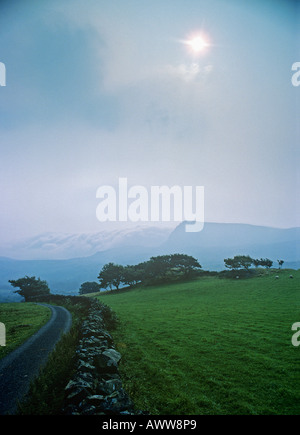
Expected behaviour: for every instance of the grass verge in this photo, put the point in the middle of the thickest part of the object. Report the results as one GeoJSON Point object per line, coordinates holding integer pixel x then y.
{"type": "Point", "coordinates": [21, 321]}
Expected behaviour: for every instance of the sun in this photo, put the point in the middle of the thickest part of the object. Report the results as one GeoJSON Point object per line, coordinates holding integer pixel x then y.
{"type": "Point", "coordinates": [198, 44]}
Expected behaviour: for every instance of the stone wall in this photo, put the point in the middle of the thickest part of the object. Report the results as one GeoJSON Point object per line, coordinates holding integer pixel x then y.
{"type": "Point", "coordinates": [96, 388]}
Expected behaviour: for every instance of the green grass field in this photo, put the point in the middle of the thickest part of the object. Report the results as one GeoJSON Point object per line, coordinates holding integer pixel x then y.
{"type": "Point", "coordinates": [211, 346]}
{"type": "Point", "coordinates": [21, 321]}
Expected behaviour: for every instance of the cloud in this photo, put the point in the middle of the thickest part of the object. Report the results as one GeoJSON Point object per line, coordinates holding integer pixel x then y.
{"type": "Point", "coordinates": [69, 245]}
{"type": "Point", "coordinates": [188, 72]}
{"type": "Point", "coordinates": [103, 91]}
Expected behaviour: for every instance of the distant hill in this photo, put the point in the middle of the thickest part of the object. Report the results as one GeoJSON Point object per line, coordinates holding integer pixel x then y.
{"type": "Point", "coordinates": [63, 246]}
{"type": "Point", "coordinates": [218, 241]}
{"type": "Point", "coordinates": [210, 247]}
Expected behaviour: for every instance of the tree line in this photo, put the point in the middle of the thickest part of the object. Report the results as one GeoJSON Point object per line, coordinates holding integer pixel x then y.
{"type": "Point", "coordinates": [245, 262]}
{"type": "Point", "coordinates": [159, 269]}
{"type": "Point", "coordinates": [167, 268]}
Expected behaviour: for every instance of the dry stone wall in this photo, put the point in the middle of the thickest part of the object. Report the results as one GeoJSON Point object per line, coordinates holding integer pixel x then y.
{"type": "Point", "coordinates": [96, 388]}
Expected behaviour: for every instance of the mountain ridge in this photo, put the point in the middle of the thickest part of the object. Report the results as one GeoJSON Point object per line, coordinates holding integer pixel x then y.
{"type": "Point", "coordinates": [210, 246]}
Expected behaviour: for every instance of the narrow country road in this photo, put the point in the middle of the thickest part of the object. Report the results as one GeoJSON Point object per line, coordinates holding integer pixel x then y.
{"type": "Point", "coordinates": [19, 367]}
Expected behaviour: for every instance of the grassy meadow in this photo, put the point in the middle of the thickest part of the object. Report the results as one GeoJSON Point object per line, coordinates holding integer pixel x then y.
{"type": "Point", "coordinates": [21, 321]}
{"type": "Point", "coordinates": [211, 346]}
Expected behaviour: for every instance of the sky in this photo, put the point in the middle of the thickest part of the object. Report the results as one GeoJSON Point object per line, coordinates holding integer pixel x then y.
{"type": "Point", "coordinates": [99, 90]}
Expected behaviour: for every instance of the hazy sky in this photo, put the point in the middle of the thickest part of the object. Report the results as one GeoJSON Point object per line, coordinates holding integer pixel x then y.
{"type": "Point", "coordinates": [97, 90]}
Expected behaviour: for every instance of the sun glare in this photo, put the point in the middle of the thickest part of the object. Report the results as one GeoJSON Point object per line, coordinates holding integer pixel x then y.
{"type": "Point", "coordinates": [198, 44]}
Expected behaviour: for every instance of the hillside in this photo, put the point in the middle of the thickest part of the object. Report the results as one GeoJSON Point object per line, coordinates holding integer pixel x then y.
{"type": "Point", "coordinates": [211, 346]}
{"type": "Point", "coordinates": [218, 241]}
{"type": "Point", "coordinates": [210, 247]}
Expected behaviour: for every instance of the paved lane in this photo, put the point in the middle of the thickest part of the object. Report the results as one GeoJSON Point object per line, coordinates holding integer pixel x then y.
{"type": "Point", "coordinates": [19, 367]}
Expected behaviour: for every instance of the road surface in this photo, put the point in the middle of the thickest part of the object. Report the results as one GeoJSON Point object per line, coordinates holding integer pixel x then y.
{"type": "Point", "coordinates": [22, 365]}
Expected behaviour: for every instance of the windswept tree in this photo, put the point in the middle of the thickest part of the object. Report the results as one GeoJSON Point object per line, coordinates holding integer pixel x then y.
{"type": "Point", "coordinates": [30, 287]}
{"type": "Point", "coordinates": [111, 276]}
{"type": "Point", "coordinates": [256, 262]}
{"type": "Point", "coordinates": [170, 267]}
{"type": "Point", "coordinates": [186, 265]}
{"type": "Point", "coordinates": [132, 275]}
{"type": "Point", "coordinates": [263, 262]}
{"type": "Point", "coordinates": [232, 263]}
{"type": "Point", "coordinates": [239, 262]}
{"type": "Point", "coordinates": [266, 262]}
{"type": "Point", "coordinates": [245, 261]}
{"type": "Point", "coordinates": [280, 263]}
{"type": "Point", "coordinates": [157, 267]}
{"type": "Point", "coordinates": [89, 287]}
